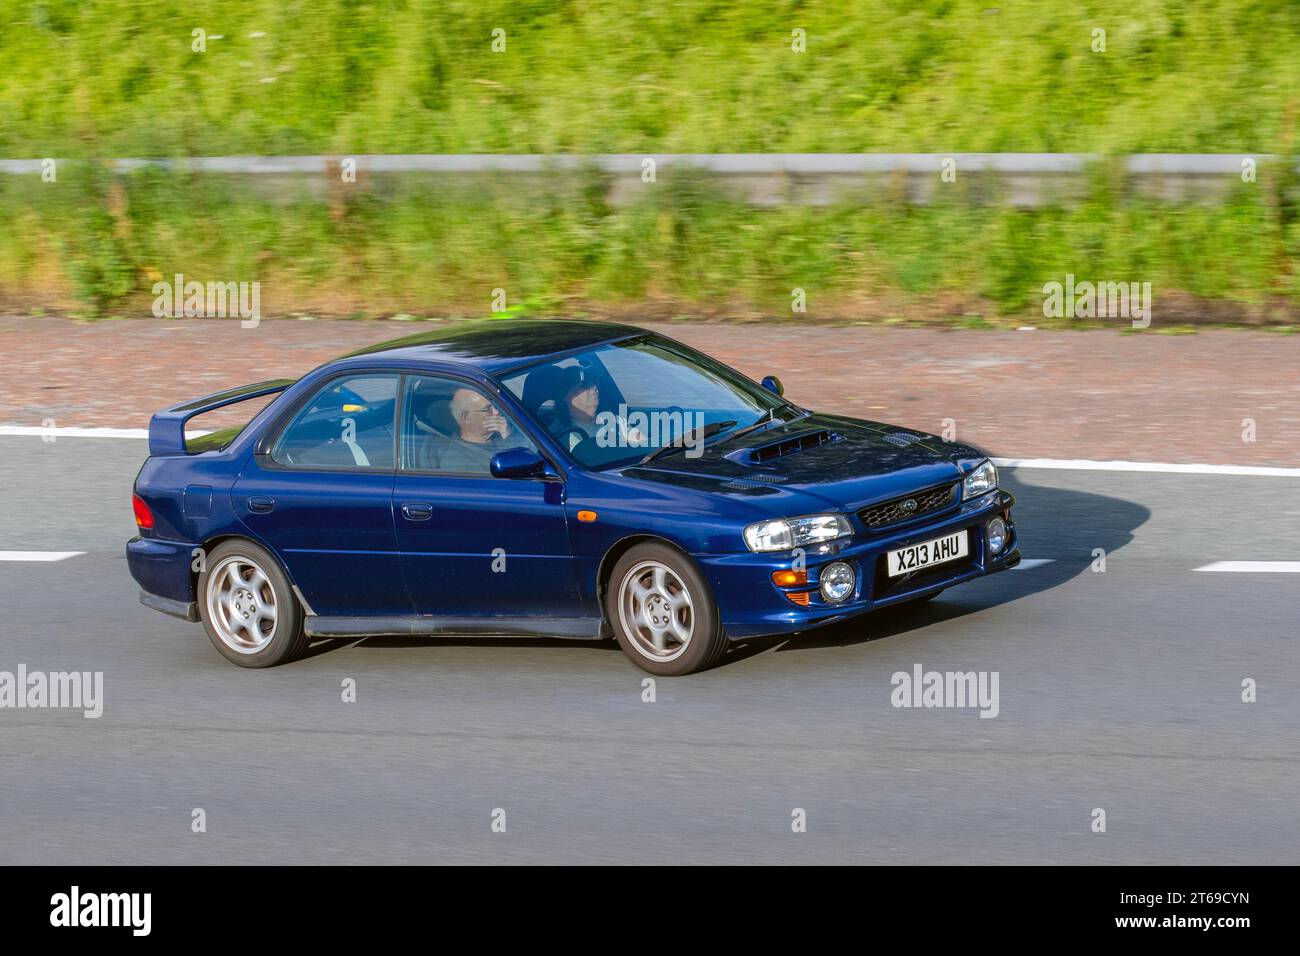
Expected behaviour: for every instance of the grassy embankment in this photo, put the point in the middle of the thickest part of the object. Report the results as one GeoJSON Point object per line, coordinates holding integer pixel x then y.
{"type": "Point", "coordinates": [119, 78]}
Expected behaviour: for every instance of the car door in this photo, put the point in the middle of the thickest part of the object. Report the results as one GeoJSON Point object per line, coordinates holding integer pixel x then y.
{"type": "Point", "coordinates": [475, 546]}
{"type": "Point", "coordinates": [321, 497]}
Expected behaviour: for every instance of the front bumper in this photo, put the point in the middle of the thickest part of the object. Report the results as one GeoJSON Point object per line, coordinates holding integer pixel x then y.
{"type": "Point", "coordinates": [751, 605]}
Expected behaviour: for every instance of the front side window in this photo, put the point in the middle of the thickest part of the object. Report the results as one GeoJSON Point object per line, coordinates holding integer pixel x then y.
{"type": "Point", "coordinates": [614, 403]}
{"type": "Point", "coordinates": [451, 427]}
{"type": "Point", "coordinates": [348, 424]}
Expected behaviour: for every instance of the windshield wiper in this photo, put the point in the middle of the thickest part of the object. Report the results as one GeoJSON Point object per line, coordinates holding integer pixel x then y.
{"type": "Point", "coordinates": [752, 426]}
{"type": "Point", "coordinates": [767, 419]}
{"type": "Point", "coordinates": [678, 443]}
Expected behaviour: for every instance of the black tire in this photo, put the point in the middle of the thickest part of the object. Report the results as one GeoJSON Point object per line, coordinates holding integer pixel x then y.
{"type": "Point", "coordinates": [706, 642]}
{"type": "Point", "coordinates": [285, 638]}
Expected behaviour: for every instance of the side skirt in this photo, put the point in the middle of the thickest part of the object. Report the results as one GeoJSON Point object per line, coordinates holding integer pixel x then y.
{"type": "Point", "coordinates": [414, 625]}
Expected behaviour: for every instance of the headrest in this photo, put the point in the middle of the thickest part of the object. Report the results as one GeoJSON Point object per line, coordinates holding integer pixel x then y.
{"type": "Point", "coordinates": [439, 416]}
{"type": "Point", "coordinates": [542, 385]}
{"type": "Point", "coordinates": [431, 405]}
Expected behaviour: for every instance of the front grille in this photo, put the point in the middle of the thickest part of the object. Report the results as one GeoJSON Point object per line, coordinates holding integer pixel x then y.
{"type": "Point", "coordinates": [908, 507]}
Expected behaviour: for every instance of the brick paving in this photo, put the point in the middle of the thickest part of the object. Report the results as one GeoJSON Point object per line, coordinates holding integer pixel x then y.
{"type": "Point", "coordinates": [1053, 394]}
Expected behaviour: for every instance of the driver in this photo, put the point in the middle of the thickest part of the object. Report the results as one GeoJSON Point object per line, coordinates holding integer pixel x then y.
{"type": "Point", "coordinates": [482, 429]}
{"type": "Point", "coordinates": [577, 417]}
{"type": "Point", "coordinates": [581, 400]}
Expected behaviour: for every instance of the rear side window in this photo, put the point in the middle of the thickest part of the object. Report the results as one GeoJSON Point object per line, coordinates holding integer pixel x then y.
{"type": "Point", "coordinates": [348, 424]}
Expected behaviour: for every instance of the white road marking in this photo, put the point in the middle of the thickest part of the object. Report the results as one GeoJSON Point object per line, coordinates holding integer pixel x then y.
{"type": "Point", "coordinates": [1027, 563]}
{"type": "Point", "coordinates": [40, 431]}
{"type": "Point", "coordinates": [1084, 464]}
{"type": "Point", "coordinates": [1253, 567]}
{"type": "Point", "coordinates": [38, 555]}
{"type": "Point", "coordinates": [1058, 464]}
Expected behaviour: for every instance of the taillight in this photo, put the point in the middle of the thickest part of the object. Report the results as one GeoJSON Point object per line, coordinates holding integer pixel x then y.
{"type": "Point", "coordinates": [143, 516]}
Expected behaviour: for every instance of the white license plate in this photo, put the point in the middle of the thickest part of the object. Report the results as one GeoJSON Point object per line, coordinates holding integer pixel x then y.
{"type": "Point", "coordinates": [917, 556]}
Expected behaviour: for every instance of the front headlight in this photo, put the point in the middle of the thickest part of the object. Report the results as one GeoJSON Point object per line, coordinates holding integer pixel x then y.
{"type": "Point", "coordinates": [782, 534]}
{"type": "Point", "coordinates": [980, 481]}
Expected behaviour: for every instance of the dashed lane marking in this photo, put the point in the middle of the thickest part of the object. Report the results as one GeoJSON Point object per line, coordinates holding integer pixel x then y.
{"type": "Point", "coordinates": [1253, 567]}
{"type": "Point", "coordinates": [38, 555]}
{"type": "Point", "coordinates": [1028, 563]}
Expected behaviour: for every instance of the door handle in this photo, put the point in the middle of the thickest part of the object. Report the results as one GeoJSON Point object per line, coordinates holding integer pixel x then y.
{"type": "Point", "coordinates": [261, 505]}
{"type": "Point", "coordinates": [417, 511]}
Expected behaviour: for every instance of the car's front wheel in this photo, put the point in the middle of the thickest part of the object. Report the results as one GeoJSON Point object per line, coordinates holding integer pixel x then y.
{"type": "Point", "coordinates": [248, 608]}
{"type": "Point", "coordinates": [662, 611]}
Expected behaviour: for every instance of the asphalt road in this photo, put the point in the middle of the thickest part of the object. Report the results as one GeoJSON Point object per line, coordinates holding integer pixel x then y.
{"type": "Point", "coordinates": [1119, 690]}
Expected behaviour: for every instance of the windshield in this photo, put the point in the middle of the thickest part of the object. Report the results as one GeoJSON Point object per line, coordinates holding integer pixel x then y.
{"type": "Point", "coordinates": [622, 402]}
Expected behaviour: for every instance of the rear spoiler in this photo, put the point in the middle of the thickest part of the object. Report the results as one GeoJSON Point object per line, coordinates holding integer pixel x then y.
{"type": "Point", "coordinates": [167, 428]}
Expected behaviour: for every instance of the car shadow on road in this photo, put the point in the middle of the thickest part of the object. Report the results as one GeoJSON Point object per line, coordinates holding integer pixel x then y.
{"type": "Point", "coordinates": [1059, 524]}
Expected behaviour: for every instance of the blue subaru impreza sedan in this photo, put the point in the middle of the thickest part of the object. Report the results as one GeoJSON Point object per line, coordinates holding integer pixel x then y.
{"type": "Point", "coordinates": [546, 477]}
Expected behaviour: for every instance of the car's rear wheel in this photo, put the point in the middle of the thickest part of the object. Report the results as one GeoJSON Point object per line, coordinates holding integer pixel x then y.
{"type": "Point", "coordinates": [662, 611]}
{"type": "Point", "coordinates": [248, 608]}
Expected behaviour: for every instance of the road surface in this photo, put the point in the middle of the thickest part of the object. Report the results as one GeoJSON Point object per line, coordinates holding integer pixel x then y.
{"type": "Point", "coordinates": [1119, 690]}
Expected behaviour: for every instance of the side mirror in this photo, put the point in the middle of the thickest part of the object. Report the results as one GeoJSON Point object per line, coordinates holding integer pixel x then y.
{"type": "Point", "coordinates": [517, 463]}
{"type": "Point", "coordinates": [773, 384]}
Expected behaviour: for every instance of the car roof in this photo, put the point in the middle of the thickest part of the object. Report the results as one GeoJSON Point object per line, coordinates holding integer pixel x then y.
{"type": "Point", "coordinates": [495, 345]}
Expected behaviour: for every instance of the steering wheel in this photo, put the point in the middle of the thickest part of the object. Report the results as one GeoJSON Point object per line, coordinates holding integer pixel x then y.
{"type": "Point", "coordinates": [563, 436]}
{"type": "Point", "coordinates": [625, 432]}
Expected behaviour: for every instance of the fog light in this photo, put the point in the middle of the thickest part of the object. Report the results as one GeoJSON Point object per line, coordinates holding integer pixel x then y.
{"type": "Point", "coordinates": [997, 535]}
{"type": "Point", "coordinates": [838, 580]}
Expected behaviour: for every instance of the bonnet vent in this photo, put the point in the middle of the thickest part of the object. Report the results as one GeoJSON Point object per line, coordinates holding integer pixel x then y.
{"type": "Point", "coordinates": [789, 446]}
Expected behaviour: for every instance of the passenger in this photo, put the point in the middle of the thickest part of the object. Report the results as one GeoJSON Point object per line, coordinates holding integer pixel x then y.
{"type": "Point", "coordinates": [482, 431]}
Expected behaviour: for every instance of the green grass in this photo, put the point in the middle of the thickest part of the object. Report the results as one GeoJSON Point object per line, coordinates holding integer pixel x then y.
{"type": "Point", "coordinates": [98, 242]}
{"type": "Point", "coordinates": [119, 77]}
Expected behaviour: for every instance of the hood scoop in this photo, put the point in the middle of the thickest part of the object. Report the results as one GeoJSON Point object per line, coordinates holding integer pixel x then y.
{"type": "Point", "coordinates": [786, 446]}
{"type": "Point", "coordinates": [903, 439]}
